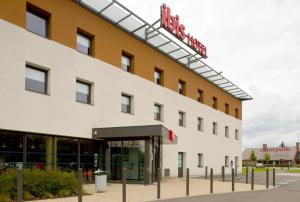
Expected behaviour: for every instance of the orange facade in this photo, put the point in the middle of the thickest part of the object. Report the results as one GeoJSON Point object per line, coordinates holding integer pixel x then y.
{"type": "Point", "coordinates": [109, 42]}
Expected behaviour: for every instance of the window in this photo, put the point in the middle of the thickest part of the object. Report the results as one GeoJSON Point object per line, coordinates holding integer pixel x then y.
{"type": "Point", "coordinates": [35, 79]}
{"type": "Point", "coordinates": [157, 112]}
{"type": "Point", "coordinates": [181, 119]}
{"type": "Point", "coordinates": [200, 160]}
{"type": "Point", "coordinates": [37, 21]}
{"type": "Point", "coordinates": [215, 103]}
{"type": "Point", "coordinates": [158, 76]}
{"type": "Point", "coordinates": [237, 113]}
{"type": "Point", "coordinates": [11, 149]}
{"type": "Point", "coordinates": [226, 131]}
{"type": "Point", "coordinates": [200, 124]}
{"type": "Point", "coordinates": [126, 63]}
{"type": "Point", "coordinates": [236, 134]}
{"type": "Point", "coordinates": [226, 161]}
{"type": "Point", "coordinates": [126, 104]}
{"type": "Point", "coordinates": [200, 96]}
{"type": "Point", "coordinates": [215, 128]}
{"type": "Point", "coordinates": [83, 92]}
{"type": "Point", "coordinates": [226, 108]}
{"type": "Point", "coordinates": [181, 87]}
{"type": "Point", "coordinates": [236, 161]}
{"type": "Point", "coordinates": [84, 43]}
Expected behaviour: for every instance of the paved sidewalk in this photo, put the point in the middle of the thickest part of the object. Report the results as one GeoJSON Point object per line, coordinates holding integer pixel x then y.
{"type": "Point", "coordinates": [170, 188]}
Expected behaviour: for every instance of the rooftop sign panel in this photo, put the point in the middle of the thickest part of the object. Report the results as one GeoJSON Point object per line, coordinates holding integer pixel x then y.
{"type": "Point", "coordinates": [189, 52]}
{"type": "Point", "coordinates": [172, 25]}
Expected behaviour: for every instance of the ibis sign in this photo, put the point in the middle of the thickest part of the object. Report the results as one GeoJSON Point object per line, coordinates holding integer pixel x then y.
{"type": "Point", "coordinates": [172, 25]}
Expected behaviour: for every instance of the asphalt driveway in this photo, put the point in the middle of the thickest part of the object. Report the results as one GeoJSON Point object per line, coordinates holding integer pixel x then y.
{"type": "Point", "coordinates": [288, 190]}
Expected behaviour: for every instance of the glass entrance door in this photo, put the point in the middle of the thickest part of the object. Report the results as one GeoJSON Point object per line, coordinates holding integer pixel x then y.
{"type": "Point", "coordinates": [129, 154]}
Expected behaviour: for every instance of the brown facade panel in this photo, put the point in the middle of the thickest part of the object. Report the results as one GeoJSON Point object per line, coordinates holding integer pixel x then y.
{"type": "Point", "coordinates": [109, 43]}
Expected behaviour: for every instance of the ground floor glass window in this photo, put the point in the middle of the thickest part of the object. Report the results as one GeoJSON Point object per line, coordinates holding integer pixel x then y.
{"type": "Point", "coordinates": [11, 150]}
{"type": "Point", "coordinates": [67, 149]}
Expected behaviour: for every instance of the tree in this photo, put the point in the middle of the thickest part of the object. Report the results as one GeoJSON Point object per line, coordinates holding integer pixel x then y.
{"type": "Point", "coordinates": [267, 157]}
{"type": "Point", "coordinates": [253, 157]}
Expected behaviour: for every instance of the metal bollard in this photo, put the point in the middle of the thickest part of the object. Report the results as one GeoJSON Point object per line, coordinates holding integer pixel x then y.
{"type": "Point", "coordinates": [252, 179]}
{"type": "Point", "coordinates": [232, 178]}
{"type": "Point", "coordinates": [211, 181]}
{"type": "Point", "coordinates": [158, 183]}
{"type": "Point", "coordinates": [247, 171]}
{"type": "Point", "coordinates": [223, 173]}
{"type": "Point", "coordinates": [206, 172]}
{"type": "Point", "coordinates": [19, 186]}
{"type": "Point", "coordinates": [267, 178]}
{"type": "Point", "coordinates": [187, 181]}
{"type": "Point", "coordinates": [273, 177]}
{"type": "Point", "coordinates": [124, 176]}
{"type": "Point", "coordinates": [79, 184]}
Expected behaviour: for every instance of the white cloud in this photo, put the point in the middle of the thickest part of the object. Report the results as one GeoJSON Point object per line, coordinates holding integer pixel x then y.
{"type": "Point", "coordinates": [257, 45]}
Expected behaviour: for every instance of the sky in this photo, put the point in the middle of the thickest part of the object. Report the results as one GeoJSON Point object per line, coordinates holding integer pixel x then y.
{"type": "Point", "coordinates": [256, 44]}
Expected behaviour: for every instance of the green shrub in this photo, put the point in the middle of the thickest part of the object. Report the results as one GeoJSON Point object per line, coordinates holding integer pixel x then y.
{"type": "Point", "coordinates": [5, 197]}
{"type": "Point", "coordinates": [39, 184]}
{"type": "Point", "coordinates": [8, 184]}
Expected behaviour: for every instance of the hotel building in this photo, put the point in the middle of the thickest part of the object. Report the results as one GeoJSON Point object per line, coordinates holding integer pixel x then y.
{"type": "Point", "coordinates": [90, 84]}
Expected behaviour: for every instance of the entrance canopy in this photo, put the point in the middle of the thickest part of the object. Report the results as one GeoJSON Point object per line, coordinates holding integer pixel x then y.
{"type": "Point", "coordinates": [135, 132]}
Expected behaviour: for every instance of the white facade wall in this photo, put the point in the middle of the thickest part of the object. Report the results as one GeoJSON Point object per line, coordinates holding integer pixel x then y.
{"type": "Point", "coordinates": [59, 114]}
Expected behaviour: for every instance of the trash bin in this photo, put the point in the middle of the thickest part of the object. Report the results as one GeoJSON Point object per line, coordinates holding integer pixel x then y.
{"type": "Point", "coordinates": [100, 180]}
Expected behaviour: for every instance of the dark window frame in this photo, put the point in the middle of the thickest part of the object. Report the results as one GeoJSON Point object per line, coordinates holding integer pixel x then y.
{"type": "Point", "coordinates": [159, 117]}
{"type": "Point", "coordinates": [200, 96]}
{"type": "Point", "coordinates": [46, 79]}
{"type": "Point", "coordinates": [131, 61]}
{"type": "Point", "coordinates": [183, 84]}
{"type": "Point", "coordinates": [88, 36]}
{"type": "Point", "coordinates": [215, 103]}
{"type": "Point", "coordinates": [237, 113]}
{"type": "Point", "coordinates": [200, 160]}
{"type": "Point", "coordinates": [89, 101]}
{"type": "Point", "coordinates": [34, 10]}
{"type": "Point", "coordinates": [227, 108]}
{"type": "Point", "coordinates": [215, 128]}
{"type": "Point", "coordinates": [200, 124]}
{"type": "Point", "coordinates": [181, 122]}
{"type": "Point", "coordinates": [237, 134]}
{"type": "Point", "coordinates": [161, 76]}
{"type": "Point", "coordinates": [227, 131]}
{"type": "Point", "coordinates": [129, 108]}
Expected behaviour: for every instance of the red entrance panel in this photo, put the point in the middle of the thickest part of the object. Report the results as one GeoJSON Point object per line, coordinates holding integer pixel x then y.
{"type": "Point", "coordinates": [171, 135]}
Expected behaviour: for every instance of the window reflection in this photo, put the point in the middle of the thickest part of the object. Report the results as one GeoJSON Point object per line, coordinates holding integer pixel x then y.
{"type": "Point", "coordinates": [11, 150]}
{"type": "Point", "coordinates": [35, 79]}
{"type": "Point", "coordinates": [67, 153]}
{"type": "Point", "coordinates": [36, 151]}
{"type": "Point", "coordinates": [37, 23]}
{"type": "Point", "coordinates": [50, 152]}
